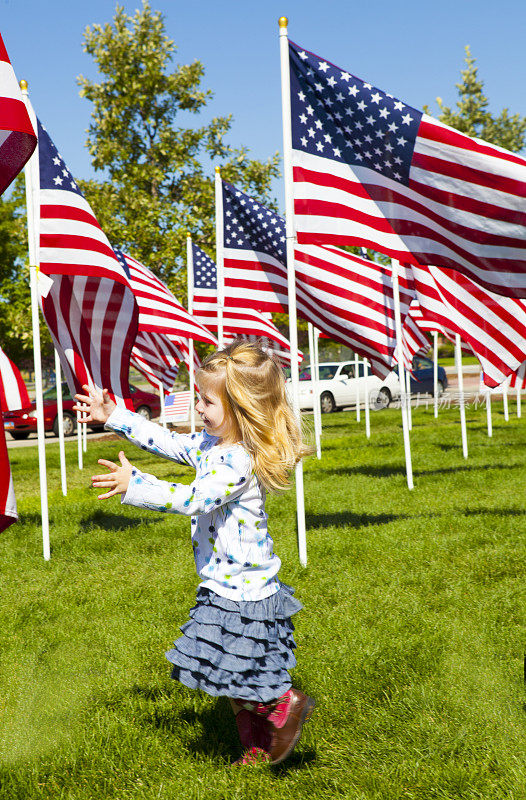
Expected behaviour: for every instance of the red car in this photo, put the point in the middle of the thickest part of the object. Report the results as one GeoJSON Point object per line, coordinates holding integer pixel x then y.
{"type": "Point", "coordinates": [23, 422]}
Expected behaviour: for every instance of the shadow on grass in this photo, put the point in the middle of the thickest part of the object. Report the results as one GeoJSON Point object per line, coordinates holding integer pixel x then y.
{"type": "Point", "coordinates": [112, 522]}
{"type": "Point", "coordinates": [504, 512]}
{"type": "Point", "coordinates": [386, 471]}
{"type": "Point", "coordinates": [348, 518]}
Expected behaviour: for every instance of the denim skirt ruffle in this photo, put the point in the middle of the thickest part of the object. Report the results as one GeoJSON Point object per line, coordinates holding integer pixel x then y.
{"type": "Point", "coordinates": [239, 649]}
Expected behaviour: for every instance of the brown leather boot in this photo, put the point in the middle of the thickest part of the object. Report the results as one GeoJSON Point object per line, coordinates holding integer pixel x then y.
{"type": "Point", "coordinates": [287, 715]}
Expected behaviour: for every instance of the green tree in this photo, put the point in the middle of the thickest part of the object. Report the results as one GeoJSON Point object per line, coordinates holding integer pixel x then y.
{"type": "Point", "coordinates": [158, 168]}
{"type": "Point", "coordinates": [473, 117]}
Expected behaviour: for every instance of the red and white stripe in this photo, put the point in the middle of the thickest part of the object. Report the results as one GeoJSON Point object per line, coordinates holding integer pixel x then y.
{"type": "Point", "coordinates": [347, 297]}
{"type": "Point", "coordinates": [17, 137]}
{"type": "Point", "coordinates": [159, 310]}
{"type": "Point", "coordinates": [414, 340]}
{"type": "Point", "coordinates": [464, 206]}
{"type": "Point", "coordinates": [157, 358]}
{"type": "Point", "coordinates": [8, 513]}
{"type": "Point", "coordinates": [13, 391]}
{"type": "Point", "coordinates": [518, 379]}
{"type": "Point", "coordinates": [493, 326]}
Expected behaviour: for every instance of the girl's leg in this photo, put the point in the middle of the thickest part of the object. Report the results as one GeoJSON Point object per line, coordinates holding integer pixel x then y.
{"type": "Point", "coordinates": [254, 734]}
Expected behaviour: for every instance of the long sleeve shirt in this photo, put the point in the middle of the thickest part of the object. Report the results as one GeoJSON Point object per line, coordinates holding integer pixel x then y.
{"type": "Point", "coordinates": [233, 550]}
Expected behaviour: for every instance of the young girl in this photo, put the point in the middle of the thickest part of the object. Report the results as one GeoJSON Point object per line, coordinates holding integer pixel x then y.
{"type": "Point", "coordinates": [239, 639]}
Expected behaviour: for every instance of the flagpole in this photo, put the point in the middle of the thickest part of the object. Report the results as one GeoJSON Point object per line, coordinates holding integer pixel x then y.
{"type": "Point", "coordinates": [435, 372]}
{"type": "Point", "coordinates": [291, 272]}
{"type": "Point", "coordinates": [518, 390]}
{"type": "Point", "coordinates": [487, 395]}
{"type": "Point", "coordinates": [30, 174]}
{"type": "Point", "coordinates": [190, 290]}
{"type": "Point", "coordinates": [401, 375]}
{"type": "Point", "coordinates": [356, 375]}
{"type": "Point", "coordinates": [458, 359]}
{"type": "Point", "coordinates": [505, 400]}
{"type": "Point", "coordinates": [316, 333]}
{"type": "Point", "coordinates": [407, 380]}
{"type": "Point", "coordinates": [161, 402]}
{"type": "Point", "coordinates": [219, 256]}
{"type": "Point", "coordinates": [60, 418]}
{"type": "Point", "coordinates": [79, 440]}
{"type": "Point", "coordinates": [366, 401]}
{"type": "Point", "coordinates": [314, 386]}
{"type": "Point", "coordinates": [84, 433]}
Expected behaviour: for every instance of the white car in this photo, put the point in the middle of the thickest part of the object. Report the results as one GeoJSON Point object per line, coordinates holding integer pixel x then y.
{"type": "Point", "coordinates": [340, 387]}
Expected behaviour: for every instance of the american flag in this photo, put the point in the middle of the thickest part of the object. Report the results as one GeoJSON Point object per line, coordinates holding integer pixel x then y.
{"type": "Point", "coordinates": [90, 309]}
{"type": "Point", "coordinates": [347, 297]}
{"type": "Point", "coordinates": [370, 170]}
{"type": "Point", "coordinates": [13, 391]}
{"type": "Point", "coordinates": [157, 358]}
{"type": "Point", "coordinates": [159, 310]}
{"type": "Point", "coordinates": [17, 137]}
{"type": "Point", "coordinates": [414, 340]}
{"type": "Point", "coordinates": [8, 513]}
{"type": "Point", "coordinates": [238, 319]}
{"type": "Point", "coordinates": [493, 326]}
{"type": "Point", "coordinates": [177, 406]}
{"type": "Point", "coordinates": [518, 379]}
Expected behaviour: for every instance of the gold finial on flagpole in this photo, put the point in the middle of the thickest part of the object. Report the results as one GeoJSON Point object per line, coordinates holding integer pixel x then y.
{"type": "Point", "coordinates": [218, 170]}
{"type": "Point", "coordinates": [283, 22]}
{"type": "Point", "coordinates": [23, 85]}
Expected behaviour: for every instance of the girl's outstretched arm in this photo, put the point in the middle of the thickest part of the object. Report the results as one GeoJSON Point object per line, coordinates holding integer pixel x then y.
{"type": "Point", "coordinates": [100, 405]}
{"type": "Point", "coordinates": [117, 480]}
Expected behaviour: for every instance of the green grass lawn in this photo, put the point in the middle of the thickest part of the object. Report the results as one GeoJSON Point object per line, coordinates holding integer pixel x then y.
{"type": "Point", "coordinates": [411, 638]}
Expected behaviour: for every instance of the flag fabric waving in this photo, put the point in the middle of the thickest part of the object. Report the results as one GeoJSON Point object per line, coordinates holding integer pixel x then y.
{"type": "Point", "coordinates": [157, 358]}
{"type": "Point", "coordinates": [347, 297]}
{"type": "Point", "coordinates": [17, 137]}
{"type": "Point", "coordinates": [518, 379]}
{"type": "Point", "coordinates": [238, 317]}
{"type": "Point", "coordinates": [159, 310]}
{"type": "Point", "coordinates": [493, 326]}
{"type": "Point", "coordinates": [414, 340]}
{"type": "Point", "coordinates": [90, 309]}
{"type": "Point", "coordinates": [8, 513]}
{"type": "Point", "coordinates": [372, 171]}
{"type": "Point", "coordinates": [13, 391]}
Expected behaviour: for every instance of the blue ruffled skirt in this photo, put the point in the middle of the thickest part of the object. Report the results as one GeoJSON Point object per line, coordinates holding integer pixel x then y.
{"type": "Point", "coordinates": [239, 649]}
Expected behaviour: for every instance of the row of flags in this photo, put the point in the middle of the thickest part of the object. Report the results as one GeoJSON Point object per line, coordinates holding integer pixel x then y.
{"type": "Point", "coordinates": [368, 171]}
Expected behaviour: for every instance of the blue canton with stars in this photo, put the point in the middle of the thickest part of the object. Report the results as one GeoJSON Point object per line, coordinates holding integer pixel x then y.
{"type": "Point", "coordinates": [250, 225]}
{"type": "Point", "coordinates": [338, 116]}
{"type": "Point", "coordinates": [205, 271]}
{"type": "Point", "coordinates": [122, 261]}
{"type": "Point", "coordinates": [53, 171]}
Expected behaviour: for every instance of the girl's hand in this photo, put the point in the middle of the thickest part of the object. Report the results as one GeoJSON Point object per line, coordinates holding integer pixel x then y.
{"type": "Point", "coordinates": [117, 480]}
{"type": "Point", "coordinates": [100, 405]}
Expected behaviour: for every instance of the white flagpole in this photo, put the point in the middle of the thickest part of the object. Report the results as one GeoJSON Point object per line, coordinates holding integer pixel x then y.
{"type": "Point", "coordinates": [407, 378]}
{"type": "Point", "coordinates": [314, 386]}
{"type": "Point", "coordinates": [518, 390]}
{"type": "Point", "coordinates": [505, 400]}
{"type": "Point", "coordinates": [316, 333]}
{"type": "Point", "coordinates": [161, 401]}
{"type": "Point", "coordinates": [458, 359]}
{"type": "Point", "coordinates": [84, 433]}
{"type": "Point", "coordinates": [32, 178]}
{"type": "Point", "coordinates": [219, 257]}
{"type": "Point", "coordinates": [487, 395]}
{"type": "Point", "coordinates": [190, 289]}
{"type": "Point", "coordinates": [366, 400]}
{"type": "Point", "coordinates": [435, 372]}
{"type": "Point", "coordinates": [79, 440]}
{"type": "Point", "coordinates": [401, 375]}
{"type": "Point", "coordinates": [291, 272]}
{"type": "Point", "coordinates": [60, 417]}
{"type": "Point", "coordinates": [356, 375]}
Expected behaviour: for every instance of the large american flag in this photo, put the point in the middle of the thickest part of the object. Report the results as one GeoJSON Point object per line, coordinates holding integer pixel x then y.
{"type": "Point", "coordinates": [370, 170]}
{"type": "Point", "coordinates": [347, 297]}
{"type": "Point", "coordinates": [238, 317]}
{"type": "Point", "coordinates": [159, 310]}
{"type": "Point", "coordinates": [17, 137]}
{"type": "Point", "coordinates": [90, 309]}
{"type": "Point", "coordinates": [493, 326]}
{"type": "Point", "coordinates": [13, 390]}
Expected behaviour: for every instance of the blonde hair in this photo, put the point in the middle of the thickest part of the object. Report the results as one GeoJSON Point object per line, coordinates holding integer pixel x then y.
{"type": "Point", "coordinates": [251, 385]}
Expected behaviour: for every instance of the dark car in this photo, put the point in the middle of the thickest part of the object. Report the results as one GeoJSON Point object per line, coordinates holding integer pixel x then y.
{"type": "Point", "coordinates": [23, 422]}
{"type": "Point", "coordinates": [422, 377]}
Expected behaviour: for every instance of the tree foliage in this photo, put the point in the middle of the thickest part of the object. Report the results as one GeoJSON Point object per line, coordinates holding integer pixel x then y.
{"type": "Point", "coordinates": [158, 166]}
{"type": "Point", "coordinates": [473, 117]}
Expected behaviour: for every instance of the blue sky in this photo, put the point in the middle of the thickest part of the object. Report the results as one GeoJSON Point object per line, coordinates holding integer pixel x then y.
{"type": "Point", "coordinates": [412, 49]}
